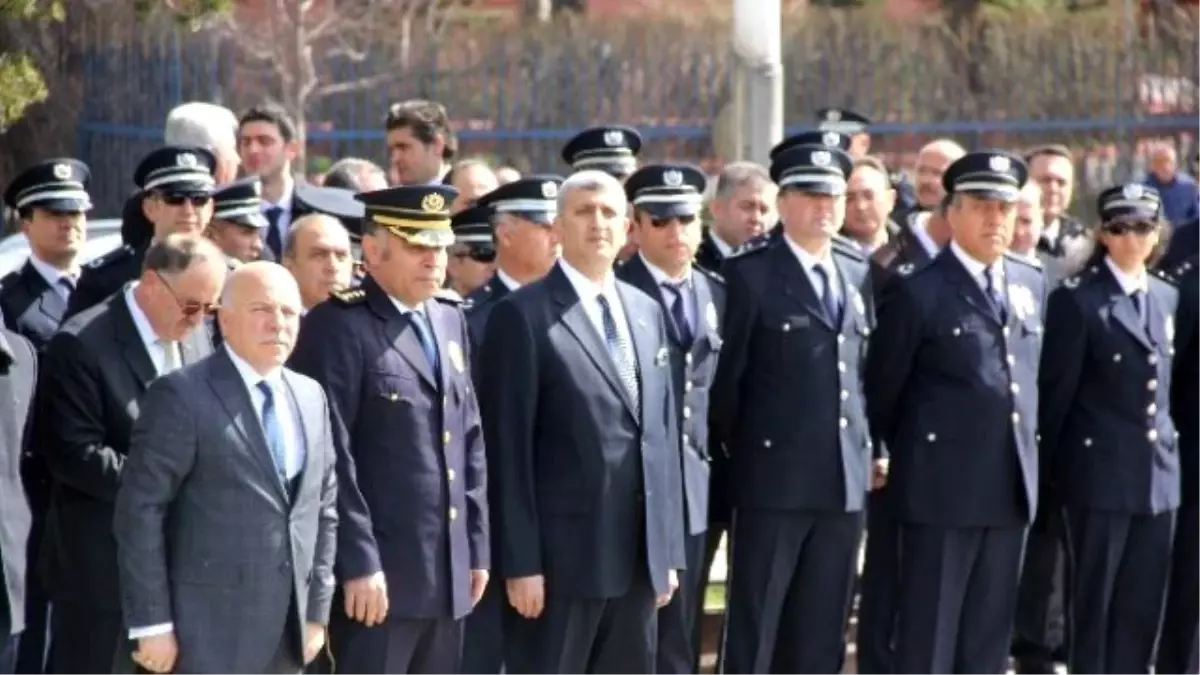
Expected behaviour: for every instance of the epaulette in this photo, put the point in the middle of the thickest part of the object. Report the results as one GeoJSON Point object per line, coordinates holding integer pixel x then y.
{"type": "Point", "coordinates": [349, 296]}
{"type": "Point", "coordinates": [753, 246]}
{"type": "Point", "coordinates": [1074, 280]}
{"type": "Point", "coordinates": [908, 269]}
{"type": "Point", "coordinates": [713, 276]}
{"type": "Point", "coordinates": [848, 248]}
{"type": "Point", "coordinates": [448, 296]}
{"type": "Point", "coordinates": [1169, 276]}
{"type": "Point", "coordinates": [109, 258]}
{"type": "Point", "coordinates": [1012, 257]}
{"type": "Point", "coordinates": [1179, 271]}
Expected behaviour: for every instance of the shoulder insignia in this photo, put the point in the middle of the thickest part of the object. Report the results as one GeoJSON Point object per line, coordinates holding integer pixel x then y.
{"type": "Point", "coordinates": [1071, 282]}
{"type": "Point", "coordinates": [752, 246]}
{"type": "Point", "coordinates": [1168, 276]}
{"type": "Point", "coordinates": [1180, 269]}
{"type": "Point", "coordinates": [448, 296]}
{"type": "Point", "coordinates": [905, 269]}
{"type": "Point", "coordinates": [349, 296]}
{"type": "Point", "coordinates": [108, 258]}
{"type": "Point", "coordinates": [713, 276]}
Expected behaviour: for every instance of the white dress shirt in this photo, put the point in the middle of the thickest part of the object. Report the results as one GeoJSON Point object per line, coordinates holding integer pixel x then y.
{"type": "Point", "coordinates": [920, 230]}
{"type": "Point", "coordinates": [588, 292]}
{"type": "Point", "coordinates": [810, 262]}
{"type": "Point", "coordinates": [53, 276]}
{"type": "Point", "coordinates": [154, 345]}
{"type": "Point", "coordinates": [508, 281]}
{"type": "Point", "coordinates": [976, 269]}
{"type": "Point", "coordinates": [686, 288]}
{"type": "Point", "coordinates": [1128, 282]}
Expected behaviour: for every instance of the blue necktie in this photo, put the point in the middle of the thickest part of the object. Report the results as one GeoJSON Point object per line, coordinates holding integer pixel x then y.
{"type": "Point", "coordinates": [995, 295]}
{"type": "Point", "coordinates": [832, 304]}
{"type": "Point", "coordinates": [678, 316]}
{"type": "Point", "coordinates": [421, 324]}
{"type": "Point", "coordinates": [272, 430]}
{"type": "Point", "coordinates": [621, 352]}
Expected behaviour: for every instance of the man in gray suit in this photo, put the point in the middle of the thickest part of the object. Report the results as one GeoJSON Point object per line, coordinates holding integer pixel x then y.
{"type": "Point", "coordinates": [18, 373]}
{"type": "Point", "coordinates": [226, 516]}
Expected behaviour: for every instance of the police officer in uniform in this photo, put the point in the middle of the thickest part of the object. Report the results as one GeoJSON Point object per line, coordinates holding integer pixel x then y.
{"type": "Point", "coordinates": [237, 221]}
{"type": "Point", "coordinates": [952, 392]}
{"type": "Point", "coordinates": [787, 403]}
{"type": "Point", "coordinates": [829, 139]}
{"type": "Point", "coordinates": [413, 535]}
{"type": "Point", "coordinates": [176, 183]}
{"type": "Point", "coordinates": [519, 219]}
{"type": "Point", "coordinates": [51, 200]}
{"type": "Point", "coordinates": [1108, 443]}
{"type": "Point", "coordinates": [1180, 642]}
{"type": "Point", "coordinates": [666, 202]}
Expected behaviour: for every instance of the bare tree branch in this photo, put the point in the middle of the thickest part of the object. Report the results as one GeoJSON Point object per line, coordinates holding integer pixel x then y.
{"type": "Point", "coordinates": [360, 84]}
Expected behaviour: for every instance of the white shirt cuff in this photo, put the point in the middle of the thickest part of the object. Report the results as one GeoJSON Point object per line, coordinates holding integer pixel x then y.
{"type": "Point", "coordinates": [151, 631]}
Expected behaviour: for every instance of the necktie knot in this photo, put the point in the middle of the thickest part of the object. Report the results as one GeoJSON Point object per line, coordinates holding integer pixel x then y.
{"type": "Point", "coordinates": [67, 281]}
{"type": "Point", "coordinates": [683, 328]}
{"type": "Point", "coordinates": [829, 299]}
{"type": "Point", "coordinates": [267, 392]}
{"type": "Point", "coordinates": [421, 324]}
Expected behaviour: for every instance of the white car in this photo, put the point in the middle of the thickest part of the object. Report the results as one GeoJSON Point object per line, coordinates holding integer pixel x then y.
{"type": "Point", "coordinates": [103, 235]}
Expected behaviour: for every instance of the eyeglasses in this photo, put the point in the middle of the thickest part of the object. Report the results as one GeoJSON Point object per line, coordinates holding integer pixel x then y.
{"type": "Point", "coordinates": [189, 308]}
{"type": "Point", "coordinates": [178, 199]}
{"type": "Point", "coordinates": [1119, 228]}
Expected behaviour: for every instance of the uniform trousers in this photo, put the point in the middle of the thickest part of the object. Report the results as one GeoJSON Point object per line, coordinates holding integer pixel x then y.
{"type": "Point", "coordinates": [958, 589]}
{"type": "Point", "coordinates": [790, 591]}
{"type": "Point", "coordinates": [1179, 648]}
{"type": "Point", "coordinates": [398, 645]}
{"type": "Point", "coordinates": [679, 621]}
{"type": "Point", "coordinates": [1120, 568]}
{"type": "Point", "coordinates": [880, 577]}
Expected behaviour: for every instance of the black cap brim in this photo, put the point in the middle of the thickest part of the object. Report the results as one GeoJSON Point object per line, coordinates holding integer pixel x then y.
{"type": "Point", "coordinates": [666, 210]}
{"type": "Point", "coordinates": [186, 188]}
{"type": "Point", "coordinates": [67, 205]}
{"type": "Point", "coordinates": [539, 217]}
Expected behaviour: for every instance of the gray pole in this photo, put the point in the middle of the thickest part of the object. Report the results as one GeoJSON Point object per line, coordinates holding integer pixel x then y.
{"type": "Point", "coordinates": [758, 83]}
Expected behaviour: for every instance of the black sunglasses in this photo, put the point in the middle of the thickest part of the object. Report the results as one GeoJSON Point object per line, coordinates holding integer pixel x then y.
{"type": "Point", "coordinates": [1121, 227]}
{"type": "Point", "coordinates": [188, 307]}
{"type": "Point", "coordinates": [663, 222]}
{"type": "Point", "coordinates": [171, 199]}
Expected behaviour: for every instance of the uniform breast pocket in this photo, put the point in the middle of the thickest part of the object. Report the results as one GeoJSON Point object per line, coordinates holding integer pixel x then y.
{"type": "Point", "coordinates": [783, 335]}
{"type": "Point", "coordinates": [390, 389]}
{"type": "Point", "coordinates": [959, 342]}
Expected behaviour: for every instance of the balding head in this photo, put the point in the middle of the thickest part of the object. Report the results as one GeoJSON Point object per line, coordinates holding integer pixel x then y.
{"type": "Point", "coordinates": [1164, 162]}
{"type": "Point", "coordinates": [181, 280]}
{"type": "Point", "coordinates": [932, 161]}
{"type": "Point", "coordinates": [318, 254]}
{"type": "Point", "coordinates": [260, 314]}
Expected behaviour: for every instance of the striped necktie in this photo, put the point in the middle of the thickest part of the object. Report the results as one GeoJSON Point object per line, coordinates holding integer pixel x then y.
{"type": "Point", "coordinates": [621, 352]}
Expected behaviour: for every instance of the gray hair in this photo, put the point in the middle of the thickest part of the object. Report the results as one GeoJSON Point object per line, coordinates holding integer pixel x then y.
{"type": "Point", "coordinates": [739, 174]}
{"type": "Point", "coordinates": [348, 173]}
{"type": "Point", "coordinates": [304, 223]}
{"type": "Point", "coordinates": [590, 180]}
{"type": "Point", "coordinates": [200, 124]}
{"type": "Point", "coordinates": [178, 252]}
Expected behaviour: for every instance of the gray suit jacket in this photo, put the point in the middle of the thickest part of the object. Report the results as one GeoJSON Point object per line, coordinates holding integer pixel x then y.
{"type": "Point", "coordinates": [207, 537]}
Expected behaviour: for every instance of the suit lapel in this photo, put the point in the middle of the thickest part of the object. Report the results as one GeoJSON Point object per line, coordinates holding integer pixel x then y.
{"type": "Point", "coordinates": [852, 303]}
{"type": "Point", "coordinates": [640, 277]}
{"type": "Point", "coordinates": [450, 353]}
{"type": "Point", "coordinates": [227, 383]}
{"type": "Point", "coordinates": [399, 331]}
{"type": "Point", "coordinates": [575, 318]}
{"type": "Point", "coordinates": [49, 302]}
{"type": "Point", "coordinates": [309, 433]}
{"type": "Point", "coordinates": [133, 350]}
{"type": "Point", "coordinates": [795, 284]}
{"type": "Point", "coordinates": [1158, 322]}
{"type": "Point", "coordinates": [707, 319]}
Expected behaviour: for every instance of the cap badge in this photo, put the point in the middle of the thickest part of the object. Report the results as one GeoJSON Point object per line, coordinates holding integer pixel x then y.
{"type": "Point", "coordinates": [1133, 191]}
{"type": "Point", "coordinates": [186, 159]}
{"type": "Point", "coordinates": [999, 164]}
{"type": "Point", "coordinates": [821, 158]}
{"type": "Point", "coordinates": [834, 115]}
{"type": "Point", "coordinates": [614, 137]}
{"type": "Point", "coordinates": [549, 190]}
{"type": "Point", "coordinates": [62, 172]}
{"type": "Point", "coordinates": [831, 139]}
{"type": "Point", "coordinates": [672, 178]}
{"type": "Point", "coordinates": [433, 202]}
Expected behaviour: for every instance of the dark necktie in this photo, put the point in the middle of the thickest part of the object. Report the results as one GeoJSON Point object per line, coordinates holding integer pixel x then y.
{"type": "Point", "coordinates": [425, 335]}
{"type": "Point", "coordinates": [67, 284]}
{"type": "Point", "coordinates": [621, 352]}
{"type": "Point", "coordinates": [995, 295]}
{"type": "Point", "coordinates": [682, 328]}
{"type": "Point", "coordinates": [272, 430]}
{"type": "Point", "coordinates": [274, 238]}
{"type": "Point", "coordinates": [1139, 304]}
{"type": "Point", "coordinates": [831, 303]}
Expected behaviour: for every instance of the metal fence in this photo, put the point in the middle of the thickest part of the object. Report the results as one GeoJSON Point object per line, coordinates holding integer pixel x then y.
{"type": "Point", "coordinates": [516, 93]}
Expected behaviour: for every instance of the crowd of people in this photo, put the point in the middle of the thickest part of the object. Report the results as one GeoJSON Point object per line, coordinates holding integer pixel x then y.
{"type": "Point", "coordinates": [439, 417]}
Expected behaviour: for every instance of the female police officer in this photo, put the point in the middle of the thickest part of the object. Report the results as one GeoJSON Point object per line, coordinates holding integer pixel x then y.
{"type": "Point", "coordinates": [1108, 445]}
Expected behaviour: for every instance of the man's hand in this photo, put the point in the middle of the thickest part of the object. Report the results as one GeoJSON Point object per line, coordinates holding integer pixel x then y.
{"type": "Point", "coordinates": [879, 473]}
{"type": "Point", "coordinates": [672, 585]}
{"type": "Point", "coordinates": [479, 581]}
{"type": "Point", "coordinates": [527, 595]}
{"type": "Point", "coordinates": [367, 599]}
{"type": "Point", "coordinates": [157, 653]}
{"type": "Point", "coordinates": [314, 639]}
